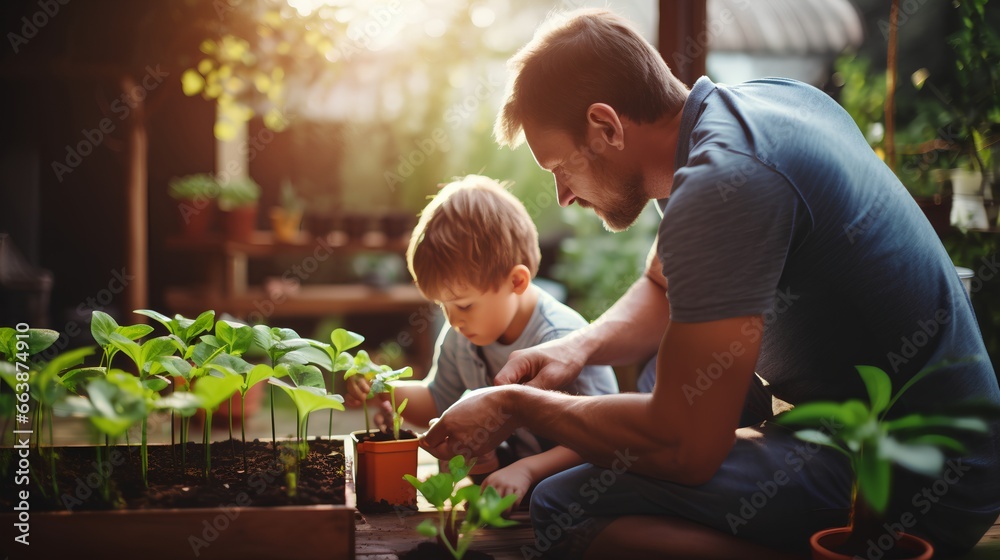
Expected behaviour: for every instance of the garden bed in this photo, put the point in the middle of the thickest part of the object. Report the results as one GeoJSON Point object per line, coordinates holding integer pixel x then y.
{"type": "Point", "coordinates": [236, 514]}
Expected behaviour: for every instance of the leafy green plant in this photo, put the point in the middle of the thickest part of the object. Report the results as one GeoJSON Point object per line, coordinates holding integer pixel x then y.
{"type": "Point", "coordinates": [873, 443]}
{"type": "Point", "coordinates": [212, 391]}
{"type": "Point", "coordinates": [238, 192]}
{"type": "Point", "coordinates": [289, 200]}
{"type": "Point", "coordinates": [341, 340]}
{"type": "Point", "coordinates": [383, 383]}
{"type": "Point", "coordinates": [308, 392]}
{"type": "Point", "coordinates": [482, 507]}
{"type": "Point", "coordinates": [364, 366]}
{"type": "Point", "coordinates": [193, 187]}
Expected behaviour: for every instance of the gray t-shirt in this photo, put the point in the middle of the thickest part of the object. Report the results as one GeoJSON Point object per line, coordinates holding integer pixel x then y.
{"type": "Point", "coordinates": [457, 365]}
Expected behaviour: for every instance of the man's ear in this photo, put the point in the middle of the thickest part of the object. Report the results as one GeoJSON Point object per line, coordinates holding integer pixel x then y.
{"type": "Point", "coordinates": [519, 278]}
{"type": "Point", "coordinates": [604, 126]}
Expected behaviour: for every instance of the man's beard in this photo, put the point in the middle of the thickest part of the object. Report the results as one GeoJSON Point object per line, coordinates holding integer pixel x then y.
{"type": "Point", "coordinates": [626, 199]}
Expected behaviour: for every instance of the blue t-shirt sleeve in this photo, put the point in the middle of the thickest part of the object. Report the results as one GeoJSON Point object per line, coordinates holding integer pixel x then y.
{"type": "Point", "coordinates": [725, 234]}
{"type": "Point", "coordinates": [444, 381]}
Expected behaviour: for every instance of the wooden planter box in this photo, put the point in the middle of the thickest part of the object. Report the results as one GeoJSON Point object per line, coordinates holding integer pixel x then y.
{"type": "Point", "coordinates": [296, 532]}
{"type": "Point", "coordinates": [231, 531]}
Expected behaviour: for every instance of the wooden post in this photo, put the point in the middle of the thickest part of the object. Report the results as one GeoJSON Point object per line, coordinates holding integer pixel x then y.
{"type": "Point", "coordinates": [890, 88]}
{"type": "Point", "coordinates": [683, 39]}
{"type": "Point", "coordinates": [136, 201]}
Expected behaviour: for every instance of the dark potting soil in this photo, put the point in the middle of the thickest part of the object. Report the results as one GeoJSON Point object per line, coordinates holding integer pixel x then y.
{"type": "Point", "coordinates": [386, 435]}
{"type": "Point", "coordinates": [434, 551]}
{"type": "Point", "coordinates": [320, 479]}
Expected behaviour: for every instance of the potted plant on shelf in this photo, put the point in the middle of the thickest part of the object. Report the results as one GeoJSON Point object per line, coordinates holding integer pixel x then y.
{"type": "Point", "coordinates": [287, 218]}
{"type": "Point", "coordinates": [196, 202]}
{"type": "Point", "coordinates": [482, 507]}
{"type": "Point", "coordinates": [238, 201]}
{"type": "Point", "coordinates": [206, 488]}
{"type": "Point", "coordinates": [874, 445]}
{"type": "Point", "coordinates": [383, 457]}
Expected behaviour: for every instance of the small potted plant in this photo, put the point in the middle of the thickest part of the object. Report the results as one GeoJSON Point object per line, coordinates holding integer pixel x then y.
{"type": "Point", "coordinates": [238, 199]}
{"type": "Point", "coordinates": [874, 445]}
{"type": "Point", "coordinates": [287, 218]}
{"type": "Point", "coordinates": [196, 196]}
{"type": "Point", "coordinates": [382, 458]}
{"type": "Point", "coordinates": [482, 507]}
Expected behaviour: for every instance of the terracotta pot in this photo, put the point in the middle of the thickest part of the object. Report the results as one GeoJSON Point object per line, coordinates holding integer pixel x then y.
{"type": "Point", "coordinates": [379, 467]}
{"type": "Point", "coordinates": [240, 223]}
{"type": "Point", "coordinates": [285, 224]}
{"type": "Point", "coordinates": [903, 545]}
{"type": "Point", "coordinates": [197, 222]}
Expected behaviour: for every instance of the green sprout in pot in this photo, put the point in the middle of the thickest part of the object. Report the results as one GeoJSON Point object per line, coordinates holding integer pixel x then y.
{"type": "Point", "coordinates": [238, 192]}
{"type": "Point", "coordinates": [383, 383]}
{"type": "Point", "coordinates": [873, 443]}
{"type": "Point", "coordinates": [482, 507]}
{"type": "Point", "coordinates": [364, 366]}
{"type": "Point", "coordinates": [201, 186]}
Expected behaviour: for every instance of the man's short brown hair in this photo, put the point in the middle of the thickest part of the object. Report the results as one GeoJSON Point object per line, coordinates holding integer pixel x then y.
{"type": "Point", "coordinates": [592, 56]}
{"type": "Point", "coordinates": [473, 233]}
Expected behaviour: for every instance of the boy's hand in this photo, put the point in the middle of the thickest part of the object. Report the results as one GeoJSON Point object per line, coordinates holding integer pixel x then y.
{"type": "Point", "coordinates": [512, 479]}
{"type": "Point", "coordinates": [357, 391]}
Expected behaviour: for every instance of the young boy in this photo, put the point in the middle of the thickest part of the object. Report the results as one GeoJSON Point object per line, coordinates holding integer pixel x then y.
{"type": "Point", "coordinates": [475, 251]}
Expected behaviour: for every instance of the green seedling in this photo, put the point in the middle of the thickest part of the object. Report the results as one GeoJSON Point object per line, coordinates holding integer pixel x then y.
{"type": "Point", "coordinates": [284, 346]}
{"type": "Point", "coordinates": [308, 391]}
{"type": "Point", "coordinates": [212, 391]}
{"type": "Point", "coordinates": [260, 372]}
{"type": "Point", "coordinates": [146, 358]}
{"type": "Point", "coordinates": [113, 404]}
{"type": "Point", "coordinates": [873, 443]}
{"type": "Point", "coordinates": [482, 507]}
{"type": "Point", "coordinates": [364, 366]}
{"type": "Point", "coordinates": [383, 383]}
{"type": "Point", "coordinates": [337, 358]}
{"type": "Point", "coordinates": [182, 328]}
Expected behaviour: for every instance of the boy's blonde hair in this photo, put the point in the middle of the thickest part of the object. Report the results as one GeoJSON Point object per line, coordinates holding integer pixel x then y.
{"type": "Point", "coordinates": [471, 235]}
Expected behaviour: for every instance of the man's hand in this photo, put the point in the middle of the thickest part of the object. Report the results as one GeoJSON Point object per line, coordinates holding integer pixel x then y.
{"type": "Point", "coordinates": [473, 426]}
{"type": "Point", "coordinates": [551, 365]}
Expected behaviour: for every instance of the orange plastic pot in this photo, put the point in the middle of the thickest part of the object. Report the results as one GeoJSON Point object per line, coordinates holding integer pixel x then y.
{"type": "Point", "coordinates": [902, 545]}
{"type": "Point", "coordinates": [379, 467]}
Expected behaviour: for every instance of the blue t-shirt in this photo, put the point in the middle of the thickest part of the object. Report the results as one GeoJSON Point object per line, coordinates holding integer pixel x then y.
{"type": "Point", "coordinates": [780, 208]}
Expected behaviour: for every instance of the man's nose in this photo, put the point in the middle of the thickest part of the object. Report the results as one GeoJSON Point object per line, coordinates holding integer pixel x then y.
{"type": "Point", "coordinates": [563, 194]}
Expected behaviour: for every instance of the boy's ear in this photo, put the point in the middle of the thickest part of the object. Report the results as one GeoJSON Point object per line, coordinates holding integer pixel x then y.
{"type": "Point", "coordinates": [520, 278]}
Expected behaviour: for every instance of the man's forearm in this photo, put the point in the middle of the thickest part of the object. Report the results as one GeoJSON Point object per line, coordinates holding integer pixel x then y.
{"type": "Point", "coordinates": [613, 431]}
{"type": "Point", "coordinates": [631, 329]}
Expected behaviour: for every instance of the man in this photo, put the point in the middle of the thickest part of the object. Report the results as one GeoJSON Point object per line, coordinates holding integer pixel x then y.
{"type": "Point", "coordinates": [786, 248]}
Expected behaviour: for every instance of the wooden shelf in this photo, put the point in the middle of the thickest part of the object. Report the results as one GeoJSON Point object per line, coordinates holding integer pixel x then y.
{"type": "Point", "coordinates": [306, 301]}
{"type": "Point", "coordinates": [264, 244]}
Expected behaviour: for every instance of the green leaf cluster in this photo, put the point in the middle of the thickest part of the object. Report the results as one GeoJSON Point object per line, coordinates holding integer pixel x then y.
{"type": "Point", "coordinates": [483, 507]}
